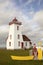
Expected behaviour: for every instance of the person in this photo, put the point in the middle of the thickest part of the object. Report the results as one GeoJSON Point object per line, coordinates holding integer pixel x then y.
{"type": "Point", "coordinates": [35, 52]}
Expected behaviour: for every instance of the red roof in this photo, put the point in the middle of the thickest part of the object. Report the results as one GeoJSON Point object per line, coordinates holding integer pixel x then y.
{"type": "Point", "coordinates": [25, 38]}
{"type": "Point", "coordinates": [15, 21]}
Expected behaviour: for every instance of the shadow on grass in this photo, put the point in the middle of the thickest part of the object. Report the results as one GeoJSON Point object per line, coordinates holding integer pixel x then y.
{"type": "Point", "coordinates": [16, 62]}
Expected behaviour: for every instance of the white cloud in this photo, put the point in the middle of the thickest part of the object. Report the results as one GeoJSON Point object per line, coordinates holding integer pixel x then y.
{"type": "Point", "coordinates": [34, 27]}
{"type": "Point", "coordinates": [7, 11]}
{"type": "Point", "coordinates": [4, 29]}
{"type": "Point", "coordinates": [38, 15]}
{"type": "Point", "coordinates": [26, 3]}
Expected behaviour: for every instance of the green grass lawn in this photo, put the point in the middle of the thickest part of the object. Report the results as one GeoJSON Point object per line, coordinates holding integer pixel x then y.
{"type": "Point", "coordinates": [5, 58]}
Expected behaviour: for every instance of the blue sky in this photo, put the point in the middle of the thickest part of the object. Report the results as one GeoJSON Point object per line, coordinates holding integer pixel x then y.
{"type": "Point", "coordinates": [28, 5]}
{"type": "Point", "coordinates": [29, 12]}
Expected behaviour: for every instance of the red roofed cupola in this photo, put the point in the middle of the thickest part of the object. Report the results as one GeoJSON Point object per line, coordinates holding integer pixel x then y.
{"type": "Point", "coordinates": [15, 21]}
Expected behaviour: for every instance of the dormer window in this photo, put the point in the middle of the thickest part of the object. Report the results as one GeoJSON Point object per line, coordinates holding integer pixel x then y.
{"type": "Point", "coordinates": [18, 36]}
{"type": "Point", "coordinates": [18, 43]}
{"type": "Point", "coordinates": [17, 27]}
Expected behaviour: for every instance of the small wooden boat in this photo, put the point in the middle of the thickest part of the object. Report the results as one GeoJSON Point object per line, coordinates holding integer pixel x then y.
{"type": "Point", "coordinates": [22, 57]}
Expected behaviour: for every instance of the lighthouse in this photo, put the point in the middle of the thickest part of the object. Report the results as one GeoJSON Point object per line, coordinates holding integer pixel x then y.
{"type": "Point", "coordinates": [14, 39]}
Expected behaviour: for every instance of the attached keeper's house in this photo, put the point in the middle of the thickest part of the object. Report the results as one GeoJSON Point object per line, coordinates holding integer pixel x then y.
{"type": "Point", "coordinates": [15, 38]}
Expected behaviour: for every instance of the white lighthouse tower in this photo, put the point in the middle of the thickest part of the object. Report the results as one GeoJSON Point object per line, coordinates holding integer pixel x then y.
{"type": "Point", "coordinates": [14, 39]}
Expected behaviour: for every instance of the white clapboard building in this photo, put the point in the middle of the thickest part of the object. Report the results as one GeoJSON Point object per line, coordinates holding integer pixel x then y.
{"type": "Point", "coordinates": [15, 39]}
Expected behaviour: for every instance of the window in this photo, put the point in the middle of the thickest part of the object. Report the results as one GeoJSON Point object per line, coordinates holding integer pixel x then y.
{"type": "Point", "coordinates": [17, 27]}
{"type": "Point", "coordinates": [26, 43]}
{"type": "Point", "coordinates": [9, 43]}
{"type": "Point", "coordinates": [18, 36]}
{"type": "Point", "coordinates": [10, 36]}
{"type": "Point", "coordinates": [18, 43]}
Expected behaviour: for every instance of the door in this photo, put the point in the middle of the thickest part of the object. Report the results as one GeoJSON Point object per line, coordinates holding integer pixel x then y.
{"type": "Point", "coordinates": [22, 44]}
